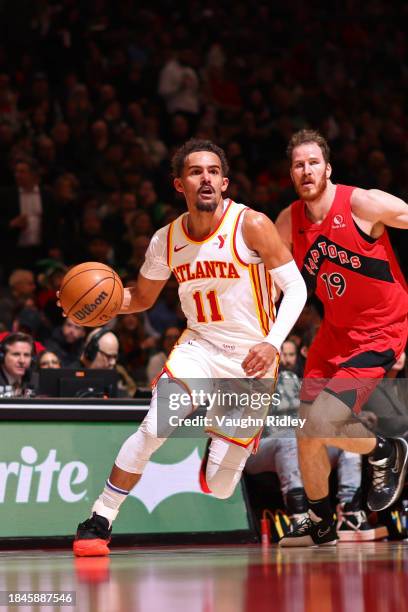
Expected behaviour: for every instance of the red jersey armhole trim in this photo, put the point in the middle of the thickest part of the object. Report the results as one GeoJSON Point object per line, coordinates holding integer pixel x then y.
{"type": "Point", "coordinates": [234, 236]}
{"type": "Point", "coordinates": [169, 244]}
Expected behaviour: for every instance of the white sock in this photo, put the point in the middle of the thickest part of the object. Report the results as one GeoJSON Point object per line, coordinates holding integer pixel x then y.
{"type": "Point", "coordinates": [109, 501]}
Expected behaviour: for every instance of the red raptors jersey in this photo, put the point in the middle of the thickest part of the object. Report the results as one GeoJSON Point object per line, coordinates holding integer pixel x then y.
{"type": "Point", "coordinates": [355, 276]}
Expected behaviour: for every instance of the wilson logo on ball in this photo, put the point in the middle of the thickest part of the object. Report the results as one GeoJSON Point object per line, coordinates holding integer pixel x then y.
{"type": "Point", "coordinates": [88, 309]}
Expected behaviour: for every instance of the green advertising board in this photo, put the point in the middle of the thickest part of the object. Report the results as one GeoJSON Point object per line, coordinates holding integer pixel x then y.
{"type": "Point", "coordinates": [51, 473]}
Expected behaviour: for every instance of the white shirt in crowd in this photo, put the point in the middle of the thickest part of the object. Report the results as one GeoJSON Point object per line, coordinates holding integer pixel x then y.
{"type": "Point", "coordinates": [30, 205]}
{"type": "Point", "coordinates": [179, 86]}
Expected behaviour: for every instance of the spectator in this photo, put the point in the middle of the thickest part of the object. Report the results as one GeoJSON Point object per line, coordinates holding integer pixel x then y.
{"type": "Point", "coordinates": [166, 310]}
{"type": "Point", "coordinates": [289, 357]}
{"type": "Point", "coordinates": [135, 343]}
{"type": "Point", "coordinates": [101, 351]}
{"type": "Point", "coordinates": [50, 281]}
{"type": "Point", "coordinates": [117, 223]}
{"type": "Point", "coordinates": [16, 354]}
{"type": "Point", "coordinates": [30, 320]}
{"type": "Point", "coordinates": [67, 342]}
{"type": "Point", "coordinates": [48, 359]}
{"type": "Point", "coordinates": [29, 216]}
{"type": "Point", "coordinates": [150, 202]}
{"type": "Point", "coordinates": [21, 292]}
{"type": "Point", "coordinates": [179, 85]}
{"type": "Point", "coordinates": [388, 402]}
{"type": "Point", "coordinates": [157, 361]}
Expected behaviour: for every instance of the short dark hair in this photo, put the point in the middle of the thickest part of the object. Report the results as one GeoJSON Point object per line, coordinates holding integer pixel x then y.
{"type": "Point", "coordinates": [15, 337]}
{"type": "Point", "coordinates": [305, 137]}
{"type": "Point", "coordinates": [192, 146]}
{"type": "Point", "coordinates": [31, 163]}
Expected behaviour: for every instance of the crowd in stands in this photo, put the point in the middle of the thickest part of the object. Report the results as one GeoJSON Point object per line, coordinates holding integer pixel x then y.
{"type": "Point", "coordinates": [95, 96]}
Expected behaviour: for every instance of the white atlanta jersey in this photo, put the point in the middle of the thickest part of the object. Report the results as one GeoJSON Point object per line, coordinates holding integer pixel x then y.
{"type": "Point", "coordinates": [226, 294]}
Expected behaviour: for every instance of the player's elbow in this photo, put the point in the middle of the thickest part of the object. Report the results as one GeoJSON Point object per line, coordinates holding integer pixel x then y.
{"type": "Point", "coordinates": [302, 292]}
{"type": "Point", "coordinates": [296, 289]}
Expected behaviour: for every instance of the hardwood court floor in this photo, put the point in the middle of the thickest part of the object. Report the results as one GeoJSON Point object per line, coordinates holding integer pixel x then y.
{"type": "Point", "coordinates": [365, 577]}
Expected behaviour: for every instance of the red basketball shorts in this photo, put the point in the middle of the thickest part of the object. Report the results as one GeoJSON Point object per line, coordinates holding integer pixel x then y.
{"type": "Point", "coordinates": [349, 363]}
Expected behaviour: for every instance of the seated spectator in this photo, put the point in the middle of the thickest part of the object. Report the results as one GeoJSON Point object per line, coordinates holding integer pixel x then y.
{"type": "Point", "coordinates": [388, 402]}
{"type": "Point", "coordinates": [289, 357]}
{"type": "Point", "coordinates": [166, 311]}
{"type": "Point", "coordinates": [140, 225]}
{"type": "Point", "coordinates": [157, 361]}
{"type": "Point", "coordinates": [67, 342]}
{"type": "Point", "coordinates": [101, 351]}
{"type": "Point", "coordinates": [48, 359]}
{"type": "Point", "coordinates": [135, 343]}
{"type": "Point", "coordinates": [139, 246]}
{"type": "Point", "coordinates": [24, 329]}
{"type": "Point", "coordinates": [16, 355]}
{"type": "Point", "coordinates": [150, 202]}
{"type": "Point", "coordinates": [29, 320]}
{"type": "Point", "coordinates": [50, 281]}
{"type": "Point", "coordinates": [21, 290]}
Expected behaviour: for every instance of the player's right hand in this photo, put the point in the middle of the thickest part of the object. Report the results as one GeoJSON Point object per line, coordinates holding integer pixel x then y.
{"type": "Point", "coordinates": [259, 359]}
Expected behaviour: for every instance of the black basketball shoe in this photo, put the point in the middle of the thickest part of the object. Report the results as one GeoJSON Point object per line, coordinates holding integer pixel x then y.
{"type": "Point", "coordinates": [353, 525]}
{"type": "Point", "coordinates": [388, 477]}
{"type": "Point", "coordinates": [311, 531]}
{"type": "Point", "coordinates": [92, 537]}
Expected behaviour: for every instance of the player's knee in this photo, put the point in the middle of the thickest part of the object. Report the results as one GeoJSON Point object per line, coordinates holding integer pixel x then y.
{"type": "Point", "coordinates": [137, 450]}
{"type": "Point", "coordinates": [220, 487]}
{"type": "Point", "coordinates": [222, 481]}
{"type": "Point", "coordinates": [316, 424]}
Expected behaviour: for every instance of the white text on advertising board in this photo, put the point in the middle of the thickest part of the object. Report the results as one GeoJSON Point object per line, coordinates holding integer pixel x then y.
{"type": "Point", "coordinates": [34, 479]}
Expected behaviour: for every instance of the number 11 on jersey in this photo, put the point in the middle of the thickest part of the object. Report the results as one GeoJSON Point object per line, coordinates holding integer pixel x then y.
{"type": "Point", "coordinates": [215, 312]}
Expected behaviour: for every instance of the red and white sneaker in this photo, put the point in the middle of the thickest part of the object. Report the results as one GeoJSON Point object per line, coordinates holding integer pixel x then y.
{"type": "Point", "coordinates": [92, 537]}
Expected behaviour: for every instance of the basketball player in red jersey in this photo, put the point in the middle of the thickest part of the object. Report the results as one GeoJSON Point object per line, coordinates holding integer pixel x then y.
{"type": "Point", "coordinates": [226, 258]}
{"type": "Point", "coordinates": [339, 242]}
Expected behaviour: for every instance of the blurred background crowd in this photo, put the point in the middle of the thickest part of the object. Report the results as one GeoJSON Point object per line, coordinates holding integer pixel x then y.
{"type": "Point", "coordinates": [96, 95]}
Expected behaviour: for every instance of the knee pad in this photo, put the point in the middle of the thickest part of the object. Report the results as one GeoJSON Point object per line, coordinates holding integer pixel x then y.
{"type": "Point", "coordinates": [224, 468]}
{"type": "Point", "coordinates": [137, 450]}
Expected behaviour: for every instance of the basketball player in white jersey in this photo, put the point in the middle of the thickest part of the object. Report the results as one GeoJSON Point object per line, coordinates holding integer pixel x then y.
{"type": "Point", "coordinates": [227, 259]}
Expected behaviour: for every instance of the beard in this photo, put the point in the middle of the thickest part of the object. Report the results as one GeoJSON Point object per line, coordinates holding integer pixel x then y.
{"type": "Point", "coordinates": [206, 206]}
{"type": "Point", "coordinates": [320, 187]}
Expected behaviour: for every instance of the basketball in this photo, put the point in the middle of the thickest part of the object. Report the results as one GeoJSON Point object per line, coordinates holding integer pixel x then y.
{"type": "Point", "coordinates": [91, 294]}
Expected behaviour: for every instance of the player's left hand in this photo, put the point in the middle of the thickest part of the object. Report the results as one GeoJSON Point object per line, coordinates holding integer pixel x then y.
{"type": "Point", "coordinates": [57, 293]}
{"type": "Point", "coordinates": [259, 359]}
